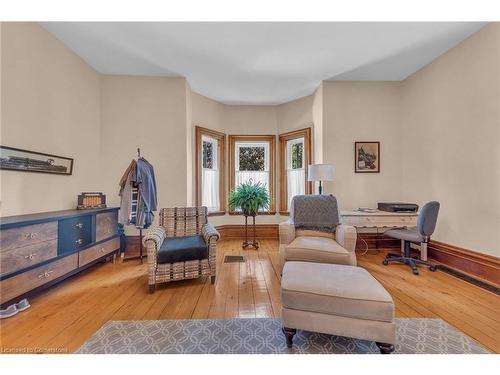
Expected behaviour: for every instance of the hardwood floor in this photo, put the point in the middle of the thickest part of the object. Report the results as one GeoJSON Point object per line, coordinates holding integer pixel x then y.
{"type": "Point", "coordinates": [63, 317]}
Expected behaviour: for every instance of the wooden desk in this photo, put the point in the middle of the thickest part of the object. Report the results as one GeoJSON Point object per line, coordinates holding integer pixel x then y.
{"type": "Point", "coordinates": [382, 219]}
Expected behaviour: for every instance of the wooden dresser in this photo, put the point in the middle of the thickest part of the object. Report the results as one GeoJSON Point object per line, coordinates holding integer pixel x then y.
{"type": "Point", "coordinates": [39, 250]}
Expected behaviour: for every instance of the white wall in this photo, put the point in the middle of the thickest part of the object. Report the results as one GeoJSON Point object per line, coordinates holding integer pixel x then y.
{"type": "Point", "coordinates": [451, 129]}
{"type": "Point", "coordinates": [294, 115]}
{"type": "Point", "coordinates": [50, 103]}
{"type": "Point", "coordinates": [362, 111]}
{"type": "Point", "coordinates": [150, 113]}
{"type": "Point", "coordinates": [206, 112]}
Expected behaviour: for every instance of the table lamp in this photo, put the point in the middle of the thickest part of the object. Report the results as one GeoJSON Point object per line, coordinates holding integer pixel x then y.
{"type": "Point", "coordinates": [320, 172]}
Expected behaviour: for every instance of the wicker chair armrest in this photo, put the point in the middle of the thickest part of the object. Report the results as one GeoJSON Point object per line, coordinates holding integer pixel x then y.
{"type": "Point", "coordinates": [154, 237]}
{"type": "Point", "coordinates": [210, 233]}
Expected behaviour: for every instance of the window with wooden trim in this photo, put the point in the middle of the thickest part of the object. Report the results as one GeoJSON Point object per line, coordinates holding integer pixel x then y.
{"type": "Point", "coordinates": [252, 157]}
{"type": "Point", "coordinates": [210, 166]}
{"type": "Point", "coordinates": [295, 157]}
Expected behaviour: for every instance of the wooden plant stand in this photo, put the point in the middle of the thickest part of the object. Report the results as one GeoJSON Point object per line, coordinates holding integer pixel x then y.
{"type": "Point", "coordinates": [254, 244]}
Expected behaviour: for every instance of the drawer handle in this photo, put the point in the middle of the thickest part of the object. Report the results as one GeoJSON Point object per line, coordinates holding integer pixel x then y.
{"type": "Point", "coordinates": [79, 241]}
{"type": "Point", "coordinates": [30, 257]}
{"type": "Point", "coordinates": [79, 225]}
{"type": "Point", "coordinates": [45, 274]}
{"type": "Point", "coordinates": [108, 220]}
{"type": "Point", "coordinates": [32, 235]}
{"type": "Point", "coordinates": [102, 250]}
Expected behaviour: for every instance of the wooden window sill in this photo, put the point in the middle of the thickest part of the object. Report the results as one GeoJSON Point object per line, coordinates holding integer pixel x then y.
{"type": "Point", "coordinates": [217, 213]}
{"type": "Point", "coordinates": [259, 214]}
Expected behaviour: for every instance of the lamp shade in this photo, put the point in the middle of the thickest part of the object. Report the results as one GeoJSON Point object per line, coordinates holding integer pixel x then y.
{"type": "Point", "coordinates": [320, 172]}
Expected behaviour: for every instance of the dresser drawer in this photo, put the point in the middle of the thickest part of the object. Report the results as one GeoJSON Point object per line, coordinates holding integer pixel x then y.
{"type": "Point", "coordinates": [22, 283]}
{"type": "Point", "coordinates": [27, 235]}
{"type": "Point", "coordinates": [74, 234]}
{"type": "Point", "coordinates": [23, 257]}
{"type": "Point", "coordinates": [95, 252]}
{"type": "Point", "coordinates": [106, 225]}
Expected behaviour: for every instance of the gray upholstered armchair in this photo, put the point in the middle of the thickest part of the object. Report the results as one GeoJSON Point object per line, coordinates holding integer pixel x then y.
{"type": "Point", "coordinates": [317, 246]}
{"type": "Point", "coordinates": [182, 247]}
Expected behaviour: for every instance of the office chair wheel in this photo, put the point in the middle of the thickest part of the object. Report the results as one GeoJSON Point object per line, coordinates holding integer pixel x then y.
{"type": "Point", "coordinates": [415, 272]}
{"type": "Point", "coordinates": [432, 268]}
{"type": "Point", "coordinates": [385, 262]}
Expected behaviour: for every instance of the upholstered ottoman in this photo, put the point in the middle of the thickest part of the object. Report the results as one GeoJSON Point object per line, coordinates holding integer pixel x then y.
{"type": "Point", "coordinates": [336, 299]}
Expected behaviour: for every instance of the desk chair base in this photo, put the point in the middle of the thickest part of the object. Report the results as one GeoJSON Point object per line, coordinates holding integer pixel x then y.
{"type": "Point", "coordinates": [407, 259]}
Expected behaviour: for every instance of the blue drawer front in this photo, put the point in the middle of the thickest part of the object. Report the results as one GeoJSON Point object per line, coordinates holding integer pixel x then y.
{"type": "Point", "coordinates": [74, 234]}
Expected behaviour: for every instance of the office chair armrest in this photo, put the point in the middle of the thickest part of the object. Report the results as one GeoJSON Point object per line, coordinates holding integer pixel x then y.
{"type": "Point", "coordinates": [346, 236]}
{"type": "Point", "coordinates": [286, 232]}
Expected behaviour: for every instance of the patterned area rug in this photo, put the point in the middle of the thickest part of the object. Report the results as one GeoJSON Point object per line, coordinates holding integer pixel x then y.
{"type": "Point", "coordinates": [264, 336]}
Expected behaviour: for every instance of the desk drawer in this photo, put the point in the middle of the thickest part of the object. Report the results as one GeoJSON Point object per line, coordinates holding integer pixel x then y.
{"type": "Point", "coordinates": [22, 283]}
{"type": "Point", "coordinates": [380, 221]}
{"type": "Point", "coordinates": [27, 235]}
{"type": "Point", "coordinates": [106, 225]}
{"type": "Point", "coordinates": [95, 252]}
{"type": "Point", "coordinates": [23, 257]}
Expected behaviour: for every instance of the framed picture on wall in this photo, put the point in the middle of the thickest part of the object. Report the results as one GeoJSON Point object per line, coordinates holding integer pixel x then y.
{"type": "Point", "coordinates": [15, 159]}
{"type": "Point", "coordinates": [367, 157]}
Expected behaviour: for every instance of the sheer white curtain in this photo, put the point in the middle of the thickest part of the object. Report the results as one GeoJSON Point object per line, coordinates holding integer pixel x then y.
{"type": "Point", "coordinates": [210, 195]}
{"type": "Point", "coordinates": [255, 176]}
{"type": "Point", "coordinates": [210, 175]}
{"type": "Point", "coordinates": [295, 179]}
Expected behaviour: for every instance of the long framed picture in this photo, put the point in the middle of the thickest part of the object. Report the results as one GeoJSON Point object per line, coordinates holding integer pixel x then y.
{"type": "Point", "coordinates": [16, 159]}
{"type": "Point", "coordinates": [367, 157]}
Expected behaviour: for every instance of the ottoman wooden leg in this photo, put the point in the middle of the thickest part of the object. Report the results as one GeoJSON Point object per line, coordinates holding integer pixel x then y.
{"type": "Point", "coordinates": [289, 333]}
{"type": "Point", "coordinates": [385, 348]}
{"type": "Point", "coordinates": [152, 288]}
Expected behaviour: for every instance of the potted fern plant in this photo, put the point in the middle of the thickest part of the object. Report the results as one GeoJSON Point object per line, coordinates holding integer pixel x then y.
{"type": "Point", "coordinates": [250, 198]}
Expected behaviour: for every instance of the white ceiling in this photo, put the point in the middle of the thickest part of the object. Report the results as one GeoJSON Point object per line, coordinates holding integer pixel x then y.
{"type": "Point", "coordinates": [261, 63]}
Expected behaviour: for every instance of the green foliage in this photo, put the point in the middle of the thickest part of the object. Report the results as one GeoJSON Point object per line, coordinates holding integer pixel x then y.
{"type": "Point", "coordinates": [252, 158]}
{"type": "Point", "coordinates": [208, 155]}
{"type": "Point", "coordinates": [249, 197]}
{"type": "Point", "coordinates": [297, 150]}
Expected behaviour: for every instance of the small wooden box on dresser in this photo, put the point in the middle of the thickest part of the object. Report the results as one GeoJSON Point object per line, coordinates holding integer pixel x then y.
{"type": "Point", "coordinates": [39, 250]}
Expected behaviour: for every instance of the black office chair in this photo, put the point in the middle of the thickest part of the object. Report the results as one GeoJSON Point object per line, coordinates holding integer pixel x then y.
{"type": "Point", "coordinates": [426, 223]}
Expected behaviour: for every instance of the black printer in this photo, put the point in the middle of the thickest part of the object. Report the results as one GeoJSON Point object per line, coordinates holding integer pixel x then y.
{"type": "Point", "coordinates": [397, 207]}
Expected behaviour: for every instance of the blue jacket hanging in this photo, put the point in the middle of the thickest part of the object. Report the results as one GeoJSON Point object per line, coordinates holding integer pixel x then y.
{"type": "Point", "coordinates": [146, 184]}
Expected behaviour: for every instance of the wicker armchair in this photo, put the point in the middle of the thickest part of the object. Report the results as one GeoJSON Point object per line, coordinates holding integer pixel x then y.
{"type": "Point", "coordinates": [175, 223]}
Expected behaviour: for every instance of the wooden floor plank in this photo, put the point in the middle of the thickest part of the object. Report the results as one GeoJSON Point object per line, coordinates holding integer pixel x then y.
{"type": "Point", "coordinates": [66, 315]}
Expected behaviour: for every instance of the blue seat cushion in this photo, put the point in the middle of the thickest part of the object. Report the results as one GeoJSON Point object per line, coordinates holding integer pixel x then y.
{"type": "Point", "coordinates": [182, 249]}
{"type": "Point", "coordinates": [405, 234]}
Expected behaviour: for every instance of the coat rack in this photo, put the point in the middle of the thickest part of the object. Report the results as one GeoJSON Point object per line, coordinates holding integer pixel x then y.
{"type": "Point", "coordinates": [140, 229]}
